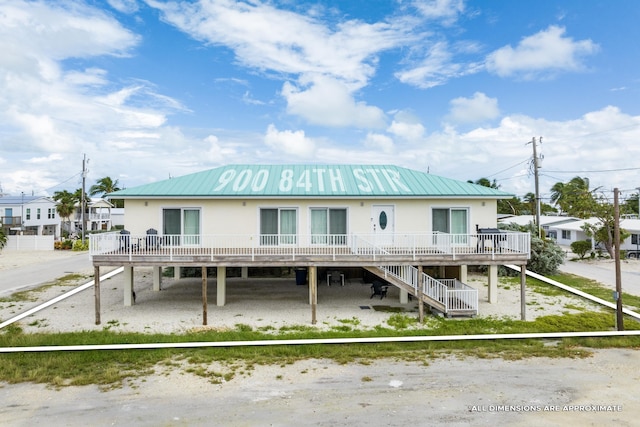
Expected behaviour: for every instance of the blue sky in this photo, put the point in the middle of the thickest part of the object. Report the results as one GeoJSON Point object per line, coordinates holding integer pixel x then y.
{"type": "Point", "coordinates": [151, 89]}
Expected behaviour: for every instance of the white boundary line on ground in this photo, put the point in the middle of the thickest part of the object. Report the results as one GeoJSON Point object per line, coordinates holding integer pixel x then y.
{"type": "Point", "coordinates": [59, 298]}
{"type": "Point", "coordinates": [575, 291]}
{"type": "Point", "coordinates": [149, 346]}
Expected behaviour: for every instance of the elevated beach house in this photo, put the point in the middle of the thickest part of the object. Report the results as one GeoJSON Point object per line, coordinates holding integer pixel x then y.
{"type": "Point", "coordinates": [406, 228]}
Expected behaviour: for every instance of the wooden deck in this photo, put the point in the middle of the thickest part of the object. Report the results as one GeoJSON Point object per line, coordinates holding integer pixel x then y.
{"type": "Point", "coordinates": [112, 249]}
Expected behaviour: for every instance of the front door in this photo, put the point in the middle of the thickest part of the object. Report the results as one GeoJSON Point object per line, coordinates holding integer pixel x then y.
{"type": "Point", "coordinates": [383, 223]}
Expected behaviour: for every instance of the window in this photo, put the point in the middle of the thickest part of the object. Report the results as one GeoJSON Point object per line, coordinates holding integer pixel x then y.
{"type": "Point", "coordinates": [634, 239]}
{"type": "Point", "coordinates": [182, 224]}
{"type": "Point", "coordinates": [278, 226]}
{"type": "Point", "coordinates": [566, 234]}
{"type": "Point", "coordinates": [38, 213]}
{"type": "Point", "coordinates": [451, 221]}
{"type": "Point", "coordinates": [28, 215]}
{"type": "Point", "coordinates": [328, 226]}
{"type": "Point", "coordinates": [51, 213]}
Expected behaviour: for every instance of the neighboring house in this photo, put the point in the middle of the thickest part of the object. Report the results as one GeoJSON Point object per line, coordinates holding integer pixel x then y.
{"type": "Point", "coordinates": [570, 232]}
{"type": "Point", "coordinates": [98, 216]}
{"type": "Point", "coordinates": [395, 223]}
{"type": "Point", "coordinates": [632, 243]}
{"type": "Point", "coordinates": [31, 215]}
{"type": "Point", "coordinates": [549, 223]}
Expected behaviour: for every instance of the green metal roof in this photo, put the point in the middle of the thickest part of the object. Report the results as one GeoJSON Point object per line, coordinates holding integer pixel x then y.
{"type": "Point", "coordinates": [313, 180]}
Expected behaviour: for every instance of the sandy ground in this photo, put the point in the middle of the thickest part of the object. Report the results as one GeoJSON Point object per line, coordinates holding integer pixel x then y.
{"type": "Point", "coordinates": [594, 391]}
{"type": "Point", "coordinates": [256, 302]}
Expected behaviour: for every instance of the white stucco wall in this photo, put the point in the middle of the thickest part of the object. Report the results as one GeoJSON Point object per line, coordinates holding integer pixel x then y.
{"type": "Point", "coordinates": [242, 216]}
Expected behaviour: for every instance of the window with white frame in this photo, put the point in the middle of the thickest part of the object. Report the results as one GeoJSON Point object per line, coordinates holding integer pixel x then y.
{"type": "Point", "coordinates": [329, 226]}
{"type": "Point", "coordinates": [451, 221]}
{"type": "Point", "coordinates": [51, 213]}
{"type": "Point", "coordinates": [181, 226]}
{"type": "Point", "coordinates": [278, 226]}
{"type": "Point", "coordinates": [38, 213]}
{"type": "Point", "coordinates": [28, 214]}
{"type": "Point", "coordinates": [566, 234]}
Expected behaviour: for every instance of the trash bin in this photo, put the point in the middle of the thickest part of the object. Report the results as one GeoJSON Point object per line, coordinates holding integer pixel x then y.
{"type": "Point", "coordinates": [301, 276]}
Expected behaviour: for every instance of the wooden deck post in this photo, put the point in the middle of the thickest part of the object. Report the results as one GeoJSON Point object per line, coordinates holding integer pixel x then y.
{"type": "Point", "coordinates": [420, 301]}
{"type": "Point", "coordinates": [96, 291]}
{"type": "Point", "coordinates": [204, 296]}
{"type": "Point", "coordinates": [493, 284]}
{"type": "Point", "coordinates": [523, 298]}
{"type": "Point", "coordinates": [313, 288]}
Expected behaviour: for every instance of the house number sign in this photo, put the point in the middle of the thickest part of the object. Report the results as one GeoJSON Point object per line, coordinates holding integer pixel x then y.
{"type": "Point", "coordinates": [312, 180]}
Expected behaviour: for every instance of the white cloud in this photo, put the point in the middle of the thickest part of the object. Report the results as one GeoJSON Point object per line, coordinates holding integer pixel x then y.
{"type": "Point", "coordinates": [407, 129]}
{"type": "Point", "coordinates": [379, 142]}
{"type": "Point", "coordinates": [267, 38]}
{"type": "Point", "coordinates": [446, 11]}
{"type": "Point", "coordinates": [544, 53]}
{"type": "Point", "coordinates": [437, 67]}
{"type": "Point", "coordinates": [478, 108]}
{"type": "Point", "coordinates": [291, 143]}
{"type": "Point", "coordinates": [329, 102]}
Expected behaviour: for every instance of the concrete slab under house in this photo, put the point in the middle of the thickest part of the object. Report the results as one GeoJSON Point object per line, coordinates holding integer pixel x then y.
{"type": "Point", "coordinates": [400, 227]}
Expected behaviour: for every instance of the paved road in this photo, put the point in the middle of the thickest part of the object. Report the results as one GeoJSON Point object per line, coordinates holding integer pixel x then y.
{"type": "Point", "coordinates": [32, 275]}
{"type": "Point", "coordinates": [605, 273]}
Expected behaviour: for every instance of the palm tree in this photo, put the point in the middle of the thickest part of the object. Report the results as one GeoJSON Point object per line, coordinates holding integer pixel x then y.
{"type": "Point", "coordinates": [105, 186]}
{"type": "Point", "coordinates": [66, 204]}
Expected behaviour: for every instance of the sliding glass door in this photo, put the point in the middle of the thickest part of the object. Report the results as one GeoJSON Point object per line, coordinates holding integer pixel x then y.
{"type": "Point", "coordinates": [181, 226]}
{"type": "Point", "coordinates": [278, 226]}
{"type": "Point", "coordinates": [328, 226]}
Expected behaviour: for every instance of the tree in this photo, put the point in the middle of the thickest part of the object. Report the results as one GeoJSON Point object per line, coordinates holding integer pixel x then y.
{"type": "Point", "coordinates": [105, 186]}
{"type": "Point", "coordinates": [574, 197]}
{"type": "Point", "coordinates": [3, 238]}
{"type": "Point", "coordinates": [546, 254]}
{"type": "Point", "coordinates": [603, 230]}
{"type": "Point", "coordinates": [66, 204]}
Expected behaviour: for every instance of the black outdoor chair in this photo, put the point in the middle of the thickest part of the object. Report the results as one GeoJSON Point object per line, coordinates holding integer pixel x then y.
{"type": "Point", "coordinates": [379, 288]}
{"type": "Point", "coordinates": [153, 241]}
{"type": "Point", "coordinates": [335, 278]}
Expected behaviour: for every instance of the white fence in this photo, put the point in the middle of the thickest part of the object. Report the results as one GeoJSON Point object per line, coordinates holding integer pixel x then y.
{"type": "Point", "coordinates": [29, 243]}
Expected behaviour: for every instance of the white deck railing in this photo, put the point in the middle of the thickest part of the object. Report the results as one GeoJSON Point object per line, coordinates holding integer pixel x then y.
{"type": "Point", "coordinates": [370, 246]}
{"type": "Point", "coordinates": [454, 295]}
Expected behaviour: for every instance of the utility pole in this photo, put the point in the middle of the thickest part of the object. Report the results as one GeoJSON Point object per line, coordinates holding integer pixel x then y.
{"type": "Point", "coordinates": [616, 243]}
{"type": "Point", "coordinates": [82, 198]}
{"type": "Point", "coordinates": [536, 166]}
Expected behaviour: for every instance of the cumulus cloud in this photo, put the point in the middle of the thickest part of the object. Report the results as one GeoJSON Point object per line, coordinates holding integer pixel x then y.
{"type": "Point", "coordinates": [544, 53]}
{"type": "Point", "coordinates": [379, 142]}
{"type": "Point", "coordinates": [478, 108]}
{"type": "Point", "coordinates": [326, 101]}
{"type": "Point", "coordinates": [292, 143]}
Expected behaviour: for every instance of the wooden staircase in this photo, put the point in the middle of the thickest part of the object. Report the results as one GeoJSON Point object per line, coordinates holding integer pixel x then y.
{"type": "Point", "coordinates": [448, 296]}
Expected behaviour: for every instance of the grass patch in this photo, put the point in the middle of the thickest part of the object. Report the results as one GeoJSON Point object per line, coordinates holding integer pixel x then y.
{"type": "Point", "coordinates": [112, 368]}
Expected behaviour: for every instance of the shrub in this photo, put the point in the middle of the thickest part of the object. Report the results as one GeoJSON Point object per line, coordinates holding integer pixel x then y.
{"type": "Point", "coordinates": [79, 245]}
{"type": "Point", "coordinates": [580, 248]}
